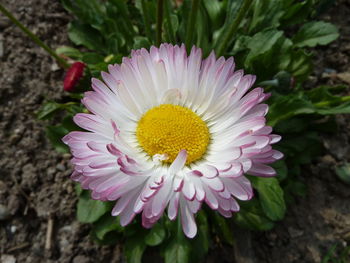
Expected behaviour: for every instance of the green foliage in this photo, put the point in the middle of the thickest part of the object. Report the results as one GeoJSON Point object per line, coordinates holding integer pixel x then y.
{"type": "Point", "coordinates": [201, 243]}
{"type": "Point", "coordinates": [106, 224]}
{"type": "Point", "coordinates": [134, 248]}
{"type": "Point", "coordinates": [281, 169]}
{"type": "Point", "coordinates": [179, 247]}
{"type": "Point", "coordinates": [54, 134]}
{"type": "Point", "coordinates": [156, 235]}
{"type": "Point", "coordinates": [337, 255]}
{"type": "Point", "coordinates": [260, 44]}
{"type": "Point", "coordinates": [319, 100]}
{"type": "Point", "coordinates": [82, 34]}
{"type": "Point", "coordinates": [270, 197]}
{"type": "Point", "coordinates": [252, 216]}
{"type": "Point", "coordinates": [315, 33]}
{"type": "Point", "coordinates": [70, 52]}
{"type": "Point", "coordinates": [272, 42]}
{"type": "Point", "coordinates": [222, 228]}
{"type": "Point", "coordinates": [51, 107]}
{"type": "Point", "coordinates": [89, 211]}
{"type": "Point", "coordinates": [343, 172]}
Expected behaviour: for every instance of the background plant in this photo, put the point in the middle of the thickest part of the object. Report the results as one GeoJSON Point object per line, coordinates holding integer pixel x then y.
{"type": "Point", "coordinates": [272, 39]}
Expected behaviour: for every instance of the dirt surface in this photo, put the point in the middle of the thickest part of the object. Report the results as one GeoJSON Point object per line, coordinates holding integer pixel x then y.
{"type": "Point", "coordinates": [322, 219]}
{"type": "Point", "coordinates": [34, 180]}
{"type": "Point", "coordinates": [36, 193]}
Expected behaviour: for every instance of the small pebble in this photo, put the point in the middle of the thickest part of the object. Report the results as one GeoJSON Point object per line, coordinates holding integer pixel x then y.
{"type": "Point", "coordinates": [60, 167]}
{"type": "Point", "coordinates": [293, 232]}
{"type": "Point", "coordinates": [3, 187]}
{"type": "Point", "coordinates": [81, 259]}
{"type": "Point", "coordinates": [67, 156]}
{"type": "Point", "coordinates": [13, 229]}
{"type": "Point", "coordinates": [51, 171]}
{"type": "Point", "coordinates": [4, 212]}
{"type": "Point", "coordinates": [14, 138]}
{"type": "Point", "coordinates": [7, 259]}
{"type": "Point", "coordinates": [1, 47]}
{"type": "Point", "coordinates": [54, 67]}
{"type": "Point", "coordinates": [4, 22]}
{"type": "Point", "coordinates": [330, 70]}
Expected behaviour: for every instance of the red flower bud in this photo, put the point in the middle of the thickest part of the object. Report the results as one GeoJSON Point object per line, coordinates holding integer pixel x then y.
{"type": "Point", "coordinates": [73, 75]}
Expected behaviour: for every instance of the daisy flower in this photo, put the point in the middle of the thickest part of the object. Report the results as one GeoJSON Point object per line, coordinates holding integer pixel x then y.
{"type": "Point", "coordinates": [169, 131]}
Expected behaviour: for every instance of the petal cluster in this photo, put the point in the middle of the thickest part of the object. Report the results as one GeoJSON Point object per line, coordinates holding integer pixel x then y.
{"type": "Point", "coordinates": [109, 161]}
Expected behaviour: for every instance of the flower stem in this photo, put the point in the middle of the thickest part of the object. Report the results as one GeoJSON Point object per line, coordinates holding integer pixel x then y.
{"type": "Point", "coordinates": [160, 7]}
{"type": "Point", "coordinates": [330, 102]}
{"type": "Point", "coordinates": [190, 26]}
{"type": "Point", "coordinates": [224, 41]}
{"type": "Point", "coordinates": [33, 37]}
{"type": "Point", "coordinates": [146, 20]}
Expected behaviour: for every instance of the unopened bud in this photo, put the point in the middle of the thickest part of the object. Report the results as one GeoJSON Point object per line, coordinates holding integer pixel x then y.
{"type": "Point", "coordinates": [73, 76]}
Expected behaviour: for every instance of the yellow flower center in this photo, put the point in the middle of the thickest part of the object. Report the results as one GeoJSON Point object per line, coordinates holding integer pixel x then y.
{"type": "Point", "coordinates": [167, 129]}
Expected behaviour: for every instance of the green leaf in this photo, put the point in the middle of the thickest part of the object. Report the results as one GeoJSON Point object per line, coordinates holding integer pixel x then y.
{"type": "Point", "coordinates": [343, 172]}
{"type": "Point", "coordinates": [292, 125]}
{"type": "Point", "coordinates": [261, 43]}
{"type": "Point", "coordinates": [320, 94]}
{"type": "Point", "coordinates": [106, 224]}
{"type": "Point", "coordinates": [179, 248]}
{"type": "Point", "coordinates": [297, 12]}
{"type": "Point", "coordinates": [232, 9]}
{"type": "Point", "coordinates": [294, 188]}
{"type": "Point", "coordinates": [270, 196]}
{"type": "Point", "coordinates": [200, 244]}
{"type": "Point", "coordinates": [141, 42]}
{"type": "Point", "coordinates": [89, 12]}
{"type": "Point", "coordinates": [261, 59]}
{"type": "Point", "coordinates": [326, 103]}
{"type": "Point", "coordinates": [89, 210]}
{"type": "Point", "coordinates": [171, 26]}
{"type": "Point", "coordinates": [223, 227]}
{"type": "Point", "coordinates": [281, 169]}
{"type": "Point", "coordinates": [69, 52]}
{"type": "Point", "coordinates": [69, 124]}
{"type": "Point", "coordinates": [92, 58]}
{"type": "Point", "coordinates": [202, 31]}
{"type": "Point", "coordinates": [300, 65]}
{"type": "Point", "coordinates": [78, 189]}
{"type": "Point", "coordinates": [301, 148]}
{"type": "Point", "coordinates": [266, 14]}
{"type": "Point", "coordinates": [177, 252]}
{"type": "Point", "coordinates": [331, 255]}
{"type": "Point", "coordinates": [343, 108]}
{"type": "Point", "coordinates": [55, 134]}
{"type": "Point", "coordinates": [96, 69]}
{"type": "Point", "coordinates": [315, 33]}
{"type": "Point", "coordinates": [284, 55]}
{"type": "Point", "coordinates": [252, 217]}
{"type": "Point", "coordinates": [134, 248]}
{"type": "Point", "coordinates": [241, 44]}
{"type": "Point", "coordinates": [48, 109]}
{"type": "Point", "coordinates": [215, 11]}
{"type": "Point", "coordinates": [156, 235]}
{"type": "Point", "coordinates": [83, 34]}
{"type": "Point", "coordinates": [285, 107]}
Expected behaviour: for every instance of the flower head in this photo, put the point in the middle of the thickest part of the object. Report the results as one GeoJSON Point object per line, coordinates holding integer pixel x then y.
{"type": "Point", "coordinates": [168, 132]}
{"type": "Point", "coordinates": [73, 75]}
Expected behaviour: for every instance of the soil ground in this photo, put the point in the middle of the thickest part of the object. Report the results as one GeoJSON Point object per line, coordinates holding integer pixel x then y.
{"type": "Point", "coordinates": [35, 190]}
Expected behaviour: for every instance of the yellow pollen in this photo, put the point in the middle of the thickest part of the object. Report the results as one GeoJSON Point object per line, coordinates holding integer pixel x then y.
{"type": "Point", "coordinates": [167, 129]}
